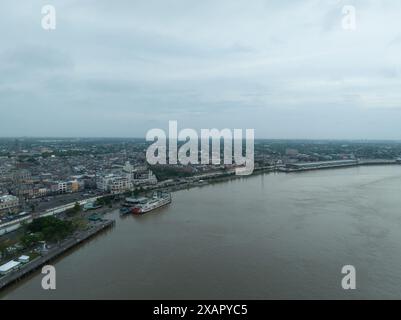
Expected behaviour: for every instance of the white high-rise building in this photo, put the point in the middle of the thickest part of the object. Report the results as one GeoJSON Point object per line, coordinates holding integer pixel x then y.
{"type": "Point", "coordinates": [114, 183]}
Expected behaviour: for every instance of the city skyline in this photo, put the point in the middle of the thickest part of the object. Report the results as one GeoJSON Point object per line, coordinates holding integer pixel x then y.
{"type": "Point", "coordinates": [200, 156]}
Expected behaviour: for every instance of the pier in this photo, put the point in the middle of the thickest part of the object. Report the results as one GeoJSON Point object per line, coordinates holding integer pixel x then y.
{"type": "Point", "coordinates": [15, 224]}
{"type": "Point", "coordinates": [306, 166]}
{"type": "Point", "coordinates": [54, 252]}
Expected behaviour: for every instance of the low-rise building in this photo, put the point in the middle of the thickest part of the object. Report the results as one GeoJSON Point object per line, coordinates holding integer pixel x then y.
{"type": "Point", "coordinates": [62, 187]}
{"type": "Point", "coordinates": [9, 266]}
{"type": "Point", "coordinates": [146, 177]}
{"type": "Point", "coordinates": [8, 204]}
{"type": "Point", "coordinates": [23, 259]}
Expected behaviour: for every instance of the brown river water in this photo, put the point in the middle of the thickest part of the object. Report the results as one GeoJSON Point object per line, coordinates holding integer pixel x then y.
{"type": "Point", "coordinates": [270, 236]}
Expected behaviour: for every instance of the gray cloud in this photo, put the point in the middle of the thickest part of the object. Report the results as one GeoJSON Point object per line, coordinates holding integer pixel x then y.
{"type": "Point", "coordinates": [285, 68]}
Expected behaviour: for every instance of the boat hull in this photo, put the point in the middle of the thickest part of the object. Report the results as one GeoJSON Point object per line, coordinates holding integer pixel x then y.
{"type": "Point", "coordinates": [148, 207]}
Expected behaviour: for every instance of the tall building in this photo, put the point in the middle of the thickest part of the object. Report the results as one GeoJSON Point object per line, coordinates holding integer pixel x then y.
{"type": "Point", "coordinates": [114, 183]}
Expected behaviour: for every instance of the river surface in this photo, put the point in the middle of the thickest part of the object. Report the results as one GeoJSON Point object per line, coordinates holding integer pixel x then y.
{"type": "Point", "coordinates": [281, 236]}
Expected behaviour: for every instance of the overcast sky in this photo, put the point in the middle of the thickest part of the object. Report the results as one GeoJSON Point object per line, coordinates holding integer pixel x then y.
{"type": "Point", "coordinates": [118, 68]}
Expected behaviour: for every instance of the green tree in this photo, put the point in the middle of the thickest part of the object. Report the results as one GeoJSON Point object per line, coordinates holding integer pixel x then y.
{"type": "Point", "coordinates": [106, 200]}
{"type": "Point", "coordinates": [77, 207]}
{"type": "Point", "coordinates": [79, 223]}
{"type": "Point", "coordinates": [30, 239]}
{"type": "Point", "coordinates": [73, 211]}
{"type": "Point", "coordinates": [3, 249]}
{"type": "Point", "coordinates": [50, 228]}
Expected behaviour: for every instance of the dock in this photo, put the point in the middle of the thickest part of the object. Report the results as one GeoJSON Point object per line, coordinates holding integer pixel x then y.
{"type": "Point", "coordinates": [306, 166]}
{"type": "Point", "coordinates": [53, 253]}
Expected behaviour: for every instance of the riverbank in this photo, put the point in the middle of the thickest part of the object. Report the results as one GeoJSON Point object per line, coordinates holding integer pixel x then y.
{"type": "Point", "coordinates": [272, 236]}
{"type": "Point", "coordinates": [55, 252]}
{"type": "Point", "coordinates": [207, 179]}
{"type": "Point", "coordinates": [198, 181]}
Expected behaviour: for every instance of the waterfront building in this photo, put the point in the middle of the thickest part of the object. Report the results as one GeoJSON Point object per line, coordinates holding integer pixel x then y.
{"type": "Point", "coordinates": [320, 165]}
{"type": "Point", "coordinates": [114, 183]}
{"type": "Point", "coordinates": [90, 206]}
{"type": "Point", "coordinates": [23, 259]}
{"type": "Point", "coordinates": [9, 266]}
{"type": "Point", "coordinates": [62, 187]}
{"type": "Point", "coordinates": [74, 185]}
{"type": "Point", "coordinates": [128, 167]}
{"type": "Point", "coordinates": [69, 186]}
{"type": "Point", "coordinates": [8, 204]}
{"type": "Point", "coordinates": [147, 177]}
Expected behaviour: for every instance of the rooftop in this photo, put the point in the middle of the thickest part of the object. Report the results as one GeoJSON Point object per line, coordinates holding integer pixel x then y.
{"type": "Point", "coordinates": [7, 197]}
{"type": "Point", "coordinates": [9, 266]}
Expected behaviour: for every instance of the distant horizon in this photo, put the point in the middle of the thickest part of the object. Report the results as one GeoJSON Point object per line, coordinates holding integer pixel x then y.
{"type": "Point", "coordinates": [143, 138]}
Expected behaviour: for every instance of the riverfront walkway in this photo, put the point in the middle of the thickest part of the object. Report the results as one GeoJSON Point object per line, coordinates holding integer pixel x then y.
{"type": "Point", "coordinates": [54, 252]}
